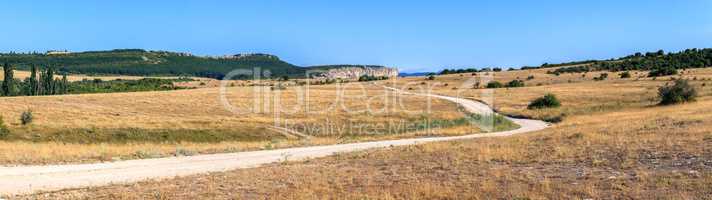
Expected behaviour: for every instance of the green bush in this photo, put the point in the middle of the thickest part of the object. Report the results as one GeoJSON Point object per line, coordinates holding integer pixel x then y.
{"type": "Point", "coordinates": [494, 84]}
{"type": "Point", "coordinates": [3, 129]}
{"type": "Point", "coordinates": [365, 78]}
{"type": "Point", "coordinates": [26, 117]}
{"type": "Point", "coordinates": [547, 101]}
{"type": "Point", "coordinates": [515, 83]}
{"type": "Point", "coordinates": [625, 74]}
{"type": "Point", "coordinates": [680, 92]}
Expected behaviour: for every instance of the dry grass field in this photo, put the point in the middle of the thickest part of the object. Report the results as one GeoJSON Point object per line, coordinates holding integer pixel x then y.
{"type": "Point", "coordinates": [580, 94]}
{"type": "Point", "coordinates": [104, 127]}
{"type": "Point", "coordinates": [614, 143]}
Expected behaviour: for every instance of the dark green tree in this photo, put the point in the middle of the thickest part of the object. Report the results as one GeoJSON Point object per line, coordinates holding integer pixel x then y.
{"type": "Point", "coordinates": [33, 83]}
{"type": "Point", "coordinates": [65, 85]}
{"type": "Point", "coordinates": [47, 82]}
{"type": "Point", "coordinates": [8, 84]}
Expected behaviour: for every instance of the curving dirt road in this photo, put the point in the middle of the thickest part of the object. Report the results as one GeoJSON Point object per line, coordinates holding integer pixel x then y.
{"type": "Point", "coordinates": [29, 179]}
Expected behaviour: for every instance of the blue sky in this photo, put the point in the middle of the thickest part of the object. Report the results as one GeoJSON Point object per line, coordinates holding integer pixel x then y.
{"type": "Point", "coordinates": [411, 35]}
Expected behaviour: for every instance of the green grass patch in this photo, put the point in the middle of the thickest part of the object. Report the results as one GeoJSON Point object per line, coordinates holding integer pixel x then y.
{"type": "Point", "coordinates": [492, 122]}
{"type": "Point", "coordinates": [132, 135]}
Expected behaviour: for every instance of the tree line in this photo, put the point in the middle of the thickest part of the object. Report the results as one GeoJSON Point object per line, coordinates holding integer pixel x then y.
{"type": "Point", "coordinates": [366, 78]}
{"type": "Point", "coordinates": [145, 84]}
{"type": "Point", "coordinates": [45, 81]}
{"type": "Point", "coordinates": [690, 58]}
{"type": "Point", "coordinates": [40, 82]}
{"type": "Point", "coordinates": [471, 70]}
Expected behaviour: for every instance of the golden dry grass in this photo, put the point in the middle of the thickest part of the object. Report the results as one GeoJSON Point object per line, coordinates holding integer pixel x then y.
{"type": "Point", "coordinates": [579, 95]}
{"type": "Point", "coordinates": [79, 128]}
{"type": "Point", "coordinates": [634, 154]}
{"type": "Point", "coordinates": [627, 149]}
{"type": "Point", "coordinates": [201, 108]}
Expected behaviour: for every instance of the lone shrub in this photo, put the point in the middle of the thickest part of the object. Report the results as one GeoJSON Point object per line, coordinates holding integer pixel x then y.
{"type": "Point", "coordinates": [26, 117]}
{"type": "Point", "coordinates": [515, 83]}
{"type": "Point", "coordinates": [547, 101]}
{"type": "Point", "coordinates": [494, 84]}
{"type": "Point", "coordinates": [680, 92]}
{"type": "Point", "coordinates": [625, 75]}
{"type": "Point", "coordinates": [3, 129]}
{"type": "Point", "coordinates": [430, 78]}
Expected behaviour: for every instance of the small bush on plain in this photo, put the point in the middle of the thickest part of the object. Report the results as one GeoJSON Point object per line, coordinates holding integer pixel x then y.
{"type": "Point", "coordinates": [547, 101]}
{"type": "Point", "coordinates": [26, 117]}
{"type": "Point", "coordinates": [515, 83]}
{"type": "Point", "coordinates": [680, 92]}
{"type": "Point", "coordinates": [495, 84]}
{"type": "Point", "coordinates": [625, 75]}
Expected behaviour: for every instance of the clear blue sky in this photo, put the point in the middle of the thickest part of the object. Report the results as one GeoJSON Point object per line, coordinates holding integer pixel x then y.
{"type": "Point", "coordinates": [411, 35]}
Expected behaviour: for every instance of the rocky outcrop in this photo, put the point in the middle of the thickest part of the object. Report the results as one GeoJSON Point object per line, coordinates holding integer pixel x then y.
{"type": "Point", "coordinates": [353, 72]}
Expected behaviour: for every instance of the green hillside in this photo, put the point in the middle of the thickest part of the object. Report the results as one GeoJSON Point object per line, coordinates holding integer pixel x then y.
{"type": "Point", "coordinates": [151, 63]}
{"type": "Point", "coordinates": [659, 62]}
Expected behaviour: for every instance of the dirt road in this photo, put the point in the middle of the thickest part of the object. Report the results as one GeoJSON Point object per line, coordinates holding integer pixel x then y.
{"type": "Point", "coordinates": [30, 179]}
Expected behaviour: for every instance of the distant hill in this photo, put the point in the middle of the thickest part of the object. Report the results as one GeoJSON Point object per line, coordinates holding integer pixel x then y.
{"type": "Point", "coordinates": [151, 63]}
{"type": "Point", "coordinates": [353, 71]}
{"type": "Point", "coordinates": [327, 67]}
{"type": "Point", "coordinates": [658, 61]}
